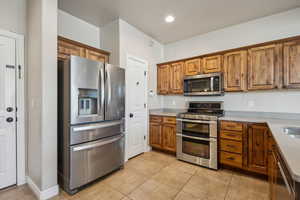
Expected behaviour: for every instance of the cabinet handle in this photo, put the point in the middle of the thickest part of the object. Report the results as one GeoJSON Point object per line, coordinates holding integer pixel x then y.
{"type": "Point", "coordinates": [231, 146]}
{"type": "Point", "coordinates": [230, 158]}
{"type": "Point", "coordinates": [230, 135]}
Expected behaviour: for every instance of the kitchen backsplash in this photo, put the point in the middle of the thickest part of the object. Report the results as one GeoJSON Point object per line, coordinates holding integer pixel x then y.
{"type": "Point", "coordinates": [262, 101]}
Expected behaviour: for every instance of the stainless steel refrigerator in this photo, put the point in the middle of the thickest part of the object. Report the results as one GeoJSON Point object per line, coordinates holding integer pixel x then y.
{"type": "Point", "coordinates": [91, 109]}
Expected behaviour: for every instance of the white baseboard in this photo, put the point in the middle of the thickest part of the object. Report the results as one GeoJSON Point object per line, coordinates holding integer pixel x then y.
{"type": "Point", "coordinates": [45, 194]}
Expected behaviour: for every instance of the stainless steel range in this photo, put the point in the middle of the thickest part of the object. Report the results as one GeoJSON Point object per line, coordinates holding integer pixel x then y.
{"type": "Point", "coordinates": [197, 132]}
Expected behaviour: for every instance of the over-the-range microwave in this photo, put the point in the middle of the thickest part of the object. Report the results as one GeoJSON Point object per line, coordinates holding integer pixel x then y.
{"type": "Point", "coordinates": [204, 85]}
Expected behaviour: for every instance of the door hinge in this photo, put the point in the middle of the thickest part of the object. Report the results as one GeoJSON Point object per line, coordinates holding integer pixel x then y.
{"type": "Point", "coordinates": [144, 137]}
{"type": "Point", "coordinates": [19, 72]}
{"type": "Point", "coordinates": [145, 105]}
{"type": "Point", "coordinates": [145, 73]}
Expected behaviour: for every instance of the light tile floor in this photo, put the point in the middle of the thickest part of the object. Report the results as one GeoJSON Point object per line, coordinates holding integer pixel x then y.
{"type": "Point", "coordinates": [157, 176]}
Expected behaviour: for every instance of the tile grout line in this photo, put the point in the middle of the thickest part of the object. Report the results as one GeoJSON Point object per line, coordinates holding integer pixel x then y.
{"type": "Point", "coordinates": [146, 179]}
{"type": "Point", "coordinates": [228, 187]}
{"type": "Point", "coordinates": [185, 184]}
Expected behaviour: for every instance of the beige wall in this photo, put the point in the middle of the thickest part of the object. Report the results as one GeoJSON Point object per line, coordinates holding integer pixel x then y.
{"type": "Point", "coordinates": [42, 93]}
{"type": "Point", "coordinates": [13, 15]}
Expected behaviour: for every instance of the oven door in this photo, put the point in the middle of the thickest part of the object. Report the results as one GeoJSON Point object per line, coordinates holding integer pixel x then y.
{"type": "Point", "coordinates": [197, 128]}
{"type": "Point", "coordinates": [201, 151]}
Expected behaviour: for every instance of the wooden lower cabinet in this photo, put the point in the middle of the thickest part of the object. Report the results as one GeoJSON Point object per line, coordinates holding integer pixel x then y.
{"type": "Point", "coordinates": [169, 137]}
{"type": "Point", "coordinates": [245, 146]}
{"type": "Point", "coordinates": [258, 148]}
{"type": "Point", "coordinates": [163, 133]}
{"type": "Point", "coordinates": [155, 135]}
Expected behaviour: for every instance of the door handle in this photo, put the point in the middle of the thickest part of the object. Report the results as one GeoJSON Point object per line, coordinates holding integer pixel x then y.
{"type": "Point", "coordinates": [9, 109]}
{"type": "Point", "coordinates": [9, 119]}
{"type": "Point", "coordinates": [131, 115]}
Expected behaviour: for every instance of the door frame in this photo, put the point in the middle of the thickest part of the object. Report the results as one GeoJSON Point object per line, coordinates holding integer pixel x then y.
{"type": "Point", "coordinates": [146, 146]}
{"type": "Point", "coordinates": [20, 103]}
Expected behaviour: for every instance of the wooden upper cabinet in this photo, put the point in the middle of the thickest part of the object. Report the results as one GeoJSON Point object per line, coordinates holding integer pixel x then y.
{"type": "Point", "coordinates": [265, 67]}
{"type": "Point", "coordinates": [94, 55]}
{"type": "Point", "coordinates": [258, 148]}
{"type": "Point", "coordinates": [163, 77]}
{"type": "Point", "coordinates": [192, 67]}
{"type": "Point", "coordinates": [212, 64]}
{"type": "Point", "coordinates": [67, 47]}
{"type": "Point", "coordinates": [176, 78]}
{"type": "Point", "coordinates": [169, 137]}
{"type": "Point", "coordinates": [292, 64]}
{"type": "Point", "coordinates": [235, 71]}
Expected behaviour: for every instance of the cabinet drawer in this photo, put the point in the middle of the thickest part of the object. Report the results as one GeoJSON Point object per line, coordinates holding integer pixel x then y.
{"type": "Point", "coordinates": [231, 126]}
{"type": "Point", "coordinates": [231, 159]}
{"type": "Point", "coordinates": [232, 135]}
{"type": "Point", "coordinates": [231, 146]}
{"type": "Point", "coordinates": [169, 120]}
{"type": "Point", "coordinates": [154, 118]}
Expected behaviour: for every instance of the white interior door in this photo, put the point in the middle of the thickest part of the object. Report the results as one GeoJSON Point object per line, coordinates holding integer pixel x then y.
{"type": "Point", "coordinates": [136, 84]}
{"type": "Point", "coordinates": [7, 112]}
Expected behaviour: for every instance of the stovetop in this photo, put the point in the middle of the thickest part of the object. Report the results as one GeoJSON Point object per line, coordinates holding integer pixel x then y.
{"type": "Point", "coordinates": [203, 111]}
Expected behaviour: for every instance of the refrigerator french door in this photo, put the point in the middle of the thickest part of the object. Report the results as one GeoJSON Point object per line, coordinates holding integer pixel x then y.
{"type": "Point", "coordinates": [91, 111]}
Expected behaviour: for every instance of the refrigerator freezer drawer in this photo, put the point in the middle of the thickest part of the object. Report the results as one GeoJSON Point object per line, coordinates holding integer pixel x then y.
{"type": "Point", "coordinates": [89, 132]}
{"type": "Point", "coordinates": [93, 160]}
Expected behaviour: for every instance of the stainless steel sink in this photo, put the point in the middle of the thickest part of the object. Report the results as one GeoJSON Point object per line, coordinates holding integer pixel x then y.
{"type": "Point", "coordinates": [294, 132]}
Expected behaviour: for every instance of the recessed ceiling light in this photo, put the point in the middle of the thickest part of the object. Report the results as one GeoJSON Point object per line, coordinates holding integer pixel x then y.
{"type": "Point", "coordinates": [170, 19]}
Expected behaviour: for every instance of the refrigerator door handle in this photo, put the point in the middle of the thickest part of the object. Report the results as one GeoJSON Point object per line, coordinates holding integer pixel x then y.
{"type": "Point", "coordinates": [98, 144]}
{"type": "Point", "coordinates": [92, 127]}
{"type": "Point", "coordinates": [102, 92]}
{"type": "Point", "coordinates": [108, 83]}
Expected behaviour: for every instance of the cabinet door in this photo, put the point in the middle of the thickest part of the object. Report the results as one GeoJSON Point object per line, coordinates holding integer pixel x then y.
{"type": "Point", "coordinates": [258, 148]}
{"type": "Point", "coordinates": [235, 69]}
{"type": "Point", "coordinates": [163, 77]}
{"type": "Point", "coordinates": [169, 137]}
{"type": "Point", "coordinates": [292, 64]}
{"type": "Point", "coordinates": [192, 67]}
{"type": "Point", "coordinates": [66, 49]}
{"type": "Point", "coordinates": [265, 67]}
{"type": "Point", "coordinates": [155, 135]}
{"type": "Point", "coordinates": [176, 78]}
{"type": "Point", "coordinates": [212, 64]}
{"type": "Point", "coordinates": [97, 56]}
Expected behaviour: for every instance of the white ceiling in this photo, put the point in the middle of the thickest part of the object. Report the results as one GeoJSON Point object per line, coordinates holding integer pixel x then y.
{"type": "Point", "coordinates": [193, 17]}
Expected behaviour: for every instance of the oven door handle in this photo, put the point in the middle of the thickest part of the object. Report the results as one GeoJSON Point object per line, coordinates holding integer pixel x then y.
{"type": "Point", "coordinates": [197, 138]}
{"type": "Point", "coordinates": [197, 121]}
{"type": "Point", "coordinates": [284, 178]}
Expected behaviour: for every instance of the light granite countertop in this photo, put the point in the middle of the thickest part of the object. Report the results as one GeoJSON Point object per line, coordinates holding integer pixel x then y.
{"type": "Point", "coordinates": [166, 112]}
{"type": "Point", "coordinates": [288, 146]}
